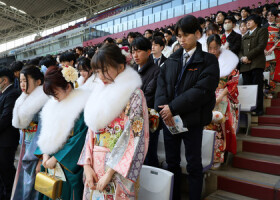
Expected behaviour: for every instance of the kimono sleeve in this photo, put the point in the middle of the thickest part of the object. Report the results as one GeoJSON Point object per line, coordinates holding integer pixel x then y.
{"type": "Point", "coordinates": [232, 86]}
{"type": "Point", "coordinates": [68, 156]}
{"type": "Point", "coordinates": [130, 150]}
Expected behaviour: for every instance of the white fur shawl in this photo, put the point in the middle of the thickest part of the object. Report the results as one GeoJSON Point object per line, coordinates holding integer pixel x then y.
{"type": "Point", "coordinates": [90, 83]}
{"type": "Point", "coordinates": [58, 119]}
{"type": "Point", "coordinates": [228, 61]}
{"type": "Point", "coordinates": [107, 102]}
{"type": "Point", "coordinates": [28, 105]}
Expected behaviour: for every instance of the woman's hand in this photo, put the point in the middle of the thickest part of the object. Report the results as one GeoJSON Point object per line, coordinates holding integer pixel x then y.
{"type": "Point", "coordinates": [51, 163]}
{"type": "Point", "coordinates": [46, 157]}
{"type": "Point", "coordinates": [38, 167]}
{"type": "Point", "coordinates": [91, 177]}
{"type": "Point", "coordinates": [103, 182]}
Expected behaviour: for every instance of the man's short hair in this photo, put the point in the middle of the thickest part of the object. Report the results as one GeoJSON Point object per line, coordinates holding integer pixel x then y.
{"type": "Point", "coordinates": [231, 18]}
{"type": "Point", "coordinates": [256, 18]}
{"type": "Point", "coordinates": [67, 56]}
{"type": "Point", "coordinates": [16, 66]}
{"type": "Point", "coordinates": [132, 35]}
{"type": "Point", "coordinates": [149, 31]}
{"type": "Point", "coordinates": [223, 13]}
{"type": "Point", "coordinates": [188, 24]}
{"type": "Point", "coordinates": [5, 72]}
{"type": "Point", "coordinates": [201, 20]}
{"type": "Point", "coordinates": [157, 33]}
{"type": "Point", "coordinates": [247, 9]}
{"type": "Point", "coordinates": [168, 32]}
{"type": "Point", "coordinates": [141, 43]}
{"type": "Point", "coordinates": [158, 40]}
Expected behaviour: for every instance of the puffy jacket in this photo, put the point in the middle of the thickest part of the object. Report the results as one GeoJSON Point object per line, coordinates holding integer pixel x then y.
{"type": "Point", "coordinates": [196, 98]}
{"type": "Point", "coordinates": [149, 74]}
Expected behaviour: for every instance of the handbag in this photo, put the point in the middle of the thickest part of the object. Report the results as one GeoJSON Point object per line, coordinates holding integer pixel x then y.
{"type": "Point", "coordinates": [49, 185]}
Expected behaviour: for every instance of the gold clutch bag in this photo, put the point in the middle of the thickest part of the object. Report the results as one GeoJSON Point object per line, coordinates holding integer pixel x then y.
{"type": "Point", "coordinates": [48, 185]}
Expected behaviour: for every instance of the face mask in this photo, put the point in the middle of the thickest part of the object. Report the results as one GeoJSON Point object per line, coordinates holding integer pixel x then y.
{"type": "Point", "coordinates": [227, 27]}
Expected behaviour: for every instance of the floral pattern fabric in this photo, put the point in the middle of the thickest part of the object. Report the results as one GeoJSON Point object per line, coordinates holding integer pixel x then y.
{"type": "Point", "coordinates": [226, 132]}
{"type": "Point", "coordinates": [126, 155]}
{"type": "Point", "coordinates": [272, 64]}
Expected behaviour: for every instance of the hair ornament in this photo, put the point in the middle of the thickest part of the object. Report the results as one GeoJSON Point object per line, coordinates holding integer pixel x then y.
{"type": "Point", "coordinates": [70, 74]}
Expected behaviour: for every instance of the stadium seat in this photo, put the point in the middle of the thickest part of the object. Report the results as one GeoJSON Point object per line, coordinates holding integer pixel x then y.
{"type": "Point", "coordinates": [248, 100]}
{"type": "Point", "coordinates": [208, 141]}
{"type": "Point", "coordinates": [155, 184]}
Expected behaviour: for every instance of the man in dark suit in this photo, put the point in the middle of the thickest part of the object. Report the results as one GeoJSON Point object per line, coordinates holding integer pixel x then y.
{"type": "Point", "coordinates": [252, 57]}
{"type": "Point", "coordinates": [157, 47]}
{"type": "Point", "coordinates": [148, 70]}
{"type": "Point", "coordinates": [186, 87]}
{"type": "Point", "coordinates": [233, 38]}
{"type": "Point", "coordinates": [9, 136]}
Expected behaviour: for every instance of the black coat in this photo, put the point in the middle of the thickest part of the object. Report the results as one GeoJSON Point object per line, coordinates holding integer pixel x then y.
{"type": "Point", "coordinates": [234, 39]}
{"type": "Point", "coordinates": [162, 60]}
{"type": "Point", "coordinates": [9, 136]}
{"type": "Point", "coordinates": [149, 74]}
{"type": "Point", "coordinates": [200, 79]}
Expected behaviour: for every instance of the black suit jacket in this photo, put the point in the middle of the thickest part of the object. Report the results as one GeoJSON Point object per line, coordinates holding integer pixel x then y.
{"type": "Point", "coordinates": [9, 136]}
{"type": "Point", "coordinates": [162, 60]}
{"type": "Point", "coordinates": [234, 39]}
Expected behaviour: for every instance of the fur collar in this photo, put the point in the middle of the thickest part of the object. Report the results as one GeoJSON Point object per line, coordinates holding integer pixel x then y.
{"type": "Point", "coordinates": [228, 61]}
{"type": "Point", "coordinates": [58, 119]}
{"type": "Point", "coordinates": [107, 102]}
{"type": "Point", "coordinates": [28, 105]}
{"type": "Point", "coordinates": [90, 83]}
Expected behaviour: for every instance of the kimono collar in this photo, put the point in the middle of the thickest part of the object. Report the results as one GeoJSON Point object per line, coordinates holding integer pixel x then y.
{"type": "Point", "coordinates": [107, 102]}
{"type": "Point", "coordinates": [58, 120]}
{"type": "Point", "coordinates": [227, 67]}
{"type": "Point", "coordinates": [28, 105]}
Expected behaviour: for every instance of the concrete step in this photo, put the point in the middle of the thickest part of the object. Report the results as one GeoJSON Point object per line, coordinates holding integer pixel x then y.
{"type": "Point", "coordinates": [248, 183]}
{"type": "Point", "coordinates": [275, 102]}
{"type": "Point", "coordinates": [274, 110]}
{"type": "Point", "coordinates": [266, 131]}
{"type": "Point", "coordinates": [269, 119]}
{"type": "Point", "coordinates": [223, 195]}
{"type": "Point", "coordinates": [257, 162]}
{"type": "Point", "coordinates": [259, 145]}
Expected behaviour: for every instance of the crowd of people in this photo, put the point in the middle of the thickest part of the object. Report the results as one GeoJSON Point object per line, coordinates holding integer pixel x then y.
{"type": "Point", "coordinates": [94, 114]}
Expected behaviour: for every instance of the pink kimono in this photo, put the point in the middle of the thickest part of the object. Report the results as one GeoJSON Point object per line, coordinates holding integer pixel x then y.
{"type": "Point", "coordinates": [122, 145]}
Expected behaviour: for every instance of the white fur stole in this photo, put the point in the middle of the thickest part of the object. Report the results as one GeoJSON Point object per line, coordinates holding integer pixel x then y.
{"type": "Point", "coordinates": [28, 105]}
{"type": "Point", "coordinates": [228, 61]}
{"type": "Point", "coordinates": [58, 119]}
{"type": "Point", "coordinates": [106, 102]}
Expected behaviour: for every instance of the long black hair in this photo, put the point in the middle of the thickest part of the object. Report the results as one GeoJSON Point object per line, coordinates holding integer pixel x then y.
{"type": "Point", "coordinates": [34, 72]}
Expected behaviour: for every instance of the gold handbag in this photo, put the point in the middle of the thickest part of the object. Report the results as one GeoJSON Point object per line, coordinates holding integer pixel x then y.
{"type": "Point", "coordinates": [48, 185]}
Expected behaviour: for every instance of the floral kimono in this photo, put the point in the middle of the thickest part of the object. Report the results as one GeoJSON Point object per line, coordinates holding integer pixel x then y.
{"type": "Point", "coordinates": [117, 117]}
{"type": "Point", "coordinates": [62, 135]}
{"type": "Point", "coordinates": [271, 65]}
{"type": "Point", "coordinates": [26, 118]}
{"type": "Point", "coordinates": [226, 131]}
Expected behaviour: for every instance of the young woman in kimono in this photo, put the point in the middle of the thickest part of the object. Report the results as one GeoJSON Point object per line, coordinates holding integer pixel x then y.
{"type": "Point", "coordinates": [63, 129]}
{"type": "Point", "coordinates": [117, 116]}
{"type": "Point", "coordinates": [87, 79]}
{"type": "Point", "coordinates": [26, 118]}
{"type": "Point", "coordinates": [225, 115]}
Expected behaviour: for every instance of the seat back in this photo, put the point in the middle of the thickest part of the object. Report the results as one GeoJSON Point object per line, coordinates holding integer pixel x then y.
{"type": "Point", "coordinates": [155, 184]}
{"type": "Point", "coordinates": [247, 97]}
{"type": "Point", "coordinates": [207, 150]}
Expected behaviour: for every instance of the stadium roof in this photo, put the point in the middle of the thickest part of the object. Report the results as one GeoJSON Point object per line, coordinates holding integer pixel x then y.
{"type": "Point", "coordinates": [19, 18]}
